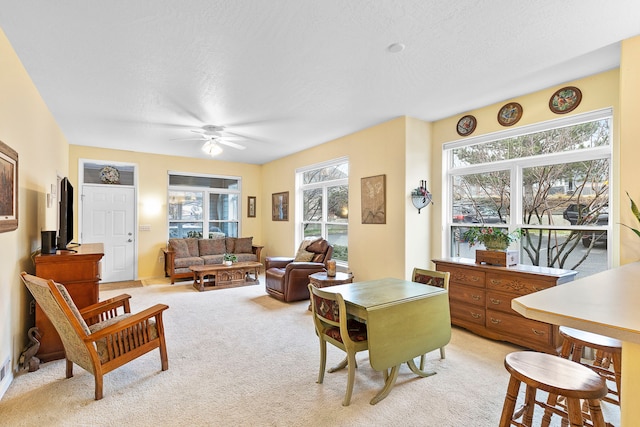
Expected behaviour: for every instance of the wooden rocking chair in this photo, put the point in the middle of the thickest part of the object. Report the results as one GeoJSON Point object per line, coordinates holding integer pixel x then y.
{"type": "Point", "coordinates": [103, 336]}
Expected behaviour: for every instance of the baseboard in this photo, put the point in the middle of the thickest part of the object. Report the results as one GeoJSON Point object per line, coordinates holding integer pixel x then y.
{"type": "Point", "coordinates": [6, 377]}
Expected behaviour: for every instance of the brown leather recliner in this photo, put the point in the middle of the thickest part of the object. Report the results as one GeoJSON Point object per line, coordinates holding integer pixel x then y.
{"type": "Point", "coordinates": [287, 279]}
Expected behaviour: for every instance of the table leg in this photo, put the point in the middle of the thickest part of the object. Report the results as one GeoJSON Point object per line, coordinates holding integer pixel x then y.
{"type": "Point", "coordinates": [418, 371]}
{"type": "Point", "coordinates": [388, 385]}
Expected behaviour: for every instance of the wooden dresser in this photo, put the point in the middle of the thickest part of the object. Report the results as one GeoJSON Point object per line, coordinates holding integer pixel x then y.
{"type": "Point", "coordinates": [80, 273]}
{"type": "Point", "coordinates": [480, 297]}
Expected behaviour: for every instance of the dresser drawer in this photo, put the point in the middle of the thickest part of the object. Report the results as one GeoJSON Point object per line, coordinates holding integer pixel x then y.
{"type": "Point", "coordinates": [529, 330]}
{"type": "Point", "coordinates": [500, 301]}
{"type": "Point", "coordinates": [468, 313]}
{"type": "Point", "coordinates": [516, 284]}
{"type": "Point", "coordinates": [465, 276]}
{"type": "Point", "coordinates": [466, 294]}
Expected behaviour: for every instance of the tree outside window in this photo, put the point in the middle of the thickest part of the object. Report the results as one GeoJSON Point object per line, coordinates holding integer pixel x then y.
{"type": "Point", "coordinates": [553, 184]}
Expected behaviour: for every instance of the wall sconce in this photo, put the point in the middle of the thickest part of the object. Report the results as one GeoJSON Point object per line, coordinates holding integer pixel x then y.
{"type": "Point", "coordinates": [421, 196]}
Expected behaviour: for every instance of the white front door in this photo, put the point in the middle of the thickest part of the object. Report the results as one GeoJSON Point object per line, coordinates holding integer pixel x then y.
{"type": "Point", "coordinates": [108, 217]}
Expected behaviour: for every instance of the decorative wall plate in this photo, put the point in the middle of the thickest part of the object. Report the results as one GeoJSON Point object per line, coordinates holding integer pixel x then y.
{"type": "Point", "coordinates": [565, 100]}
{"type": "Point", "coordinates": [509, 114]}
{"type": "Point", "coordinates": [466, 125]}
{"type": "Point", "coordinates": [109, 175]}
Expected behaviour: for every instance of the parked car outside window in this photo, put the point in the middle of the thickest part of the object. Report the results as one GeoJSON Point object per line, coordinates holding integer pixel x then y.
{"type": "Point", "coordinates": [579, 214]}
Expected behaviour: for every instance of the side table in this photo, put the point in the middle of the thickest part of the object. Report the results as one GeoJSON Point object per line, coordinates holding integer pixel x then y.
{"type": "Point", "coordinates": [321, 280]}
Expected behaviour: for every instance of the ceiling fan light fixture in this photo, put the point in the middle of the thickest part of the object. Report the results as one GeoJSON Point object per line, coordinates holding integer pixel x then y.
{"type": "Point", "coordinates": [212, 148]}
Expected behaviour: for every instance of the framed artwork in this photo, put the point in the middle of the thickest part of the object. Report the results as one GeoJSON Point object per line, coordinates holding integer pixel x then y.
{"type": "Point", "coordinates": [9, 188]}
{"type": "Point", "coordinates": [280, 206]}
{"type": "Point", "coordinates": [565, 100]}
{"type": "Point", "coordinates": [509, 114]}
{"type": "Point", "coordinates": [374, 199]}
{"type": "Point", "coordinates": [466, 125]}
{"type": "Point", "coordinates": [251, 206]}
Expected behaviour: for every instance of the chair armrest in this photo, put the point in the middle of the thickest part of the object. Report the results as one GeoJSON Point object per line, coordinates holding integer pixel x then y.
{"type": "Point", "coordinates": [299, 265]}
{"type": "Point", "coordinates": [276, 261]}
{"type": "Point", "coordinates": [106, 309]}
{"type": "Point", "coordinates": [169, 261]}
{"type": "Point", "coordinates": [135, 319]}
{"type": "Point", "coordinates": [257, 249]}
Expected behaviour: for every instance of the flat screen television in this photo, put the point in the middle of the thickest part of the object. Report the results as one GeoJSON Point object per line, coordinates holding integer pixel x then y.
{"type": "Point", "coordinates": [65, 216]}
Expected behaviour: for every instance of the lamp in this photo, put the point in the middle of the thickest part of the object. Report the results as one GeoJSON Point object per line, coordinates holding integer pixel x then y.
{"type": "Point", "coordinates": [421, 196]}
{"type": "Point", "coordinates": [212, 148]}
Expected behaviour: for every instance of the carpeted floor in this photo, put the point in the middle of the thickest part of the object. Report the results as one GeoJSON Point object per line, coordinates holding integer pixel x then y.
{"type": "Point", "coordinates": [238, 357]}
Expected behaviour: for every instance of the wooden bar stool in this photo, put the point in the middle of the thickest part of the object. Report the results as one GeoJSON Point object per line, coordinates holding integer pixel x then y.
{"type": "Point", "coordinates": [555, 375]}
{"type": "Point", "coordinates": [608, 352]}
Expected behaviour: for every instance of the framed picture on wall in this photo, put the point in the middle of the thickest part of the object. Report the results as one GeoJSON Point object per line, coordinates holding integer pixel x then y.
{"type": "Point", "coordinates": [9, 188]}
{"type": "Point", "coordinates": [251, 207]}
{"type": "Point", "coordinates": [373, 197]}
{"type": "Point", "coordinates": [280, 206]}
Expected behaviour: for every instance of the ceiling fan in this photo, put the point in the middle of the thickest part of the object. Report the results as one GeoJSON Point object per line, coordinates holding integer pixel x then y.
{"type": "Point", "coordinates": [213, 136]}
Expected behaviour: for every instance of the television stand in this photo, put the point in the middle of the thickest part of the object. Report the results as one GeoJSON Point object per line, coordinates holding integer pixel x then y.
{"type": "Point", "coordinates": [79, 271]}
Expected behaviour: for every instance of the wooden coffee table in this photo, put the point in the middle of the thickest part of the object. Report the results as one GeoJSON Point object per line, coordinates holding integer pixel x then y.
{"type": "Point", "coordinates": [225, 276]}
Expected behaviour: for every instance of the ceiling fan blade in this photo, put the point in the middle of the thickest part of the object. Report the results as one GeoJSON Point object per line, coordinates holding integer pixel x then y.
{"type": "Point", "coordinates": [189, 139]}
{"type": "Point", "coordinates": [231, 144]}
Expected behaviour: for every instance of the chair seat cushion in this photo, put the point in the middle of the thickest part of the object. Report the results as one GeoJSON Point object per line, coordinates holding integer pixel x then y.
{"type": "Point", "coordinates": [101, 345]}
{"type": "Point", "coordinates": [357, 331]}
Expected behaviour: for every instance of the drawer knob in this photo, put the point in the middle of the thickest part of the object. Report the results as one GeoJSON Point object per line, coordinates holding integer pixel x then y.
{"type": "Point", "coordinates": [539, 333]}
{"type": "Point", "coordinates": [475, 315]}
{"type": "Point", "coordinates": [496, 301]}
{"type": "Point", "coordinates": [475, 297]}
{"type": "Point", "coordinates": [496, 321]}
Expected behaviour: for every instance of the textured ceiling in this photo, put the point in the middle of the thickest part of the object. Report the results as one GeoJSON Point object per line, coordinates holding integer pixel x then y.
{"type": "Point", "coordinates": [285, 75]}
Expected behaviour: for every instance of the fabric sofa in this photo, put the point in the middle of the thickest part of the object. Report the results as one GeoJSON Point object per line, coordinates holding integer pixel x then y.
{"type": "Point", "coordinates": [287, 277]}
{"type": "Point", "coordinates": [185, 252]}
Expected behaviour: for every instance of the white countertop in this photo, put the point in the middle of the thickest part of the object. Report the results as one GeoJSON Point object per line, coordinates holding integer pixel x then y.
{"type": "Point", "coordinates": [606, 303]}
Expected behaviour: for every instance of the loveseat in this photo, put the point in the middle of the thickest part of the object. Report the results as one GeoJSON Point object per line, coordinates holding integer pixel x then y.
{"type": "Point", "coordinates": [287, 277]}
{"type": "Point", "coordinates": [182, 253]}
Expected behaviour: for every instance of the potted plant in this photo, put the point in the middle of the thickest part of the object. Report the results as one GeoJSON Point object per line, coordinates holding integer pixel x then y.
{"type": "Point", "coordinates": [636, 213]}
{"type": "Point", "coordinates": [492, 238]}
{"type": "Point", "coordinates": [228, 259]}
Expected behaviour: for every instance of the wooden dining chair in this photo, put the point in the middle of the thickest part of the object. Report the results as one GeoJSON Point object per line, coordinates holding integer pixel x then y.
{"type": "Point", "coordinates": [438, 279]}
{"type": "Point", "coordinates": [333, 326]}
{"type": "Point", "coordinates": [103, 336]}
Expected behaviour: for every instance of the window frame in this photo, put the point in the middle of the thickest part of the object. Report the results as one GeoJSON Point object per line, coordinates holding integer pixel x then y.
{"type": "Point", "coordinates": [206, 193]}
{"type": "Point", "coordinates": [517, 165]}
{"type": "Point", "coordinates": [324, 185]}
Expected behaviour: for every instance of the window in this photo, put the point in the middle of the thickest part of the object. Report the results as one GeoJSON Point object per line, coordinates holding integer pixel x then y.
{"type": "Point", "coordinates": [551, 180]}
{"type": "Point", "coordinates": [203, 206]}
{"type": "Point", "coordinates": [323, 203]}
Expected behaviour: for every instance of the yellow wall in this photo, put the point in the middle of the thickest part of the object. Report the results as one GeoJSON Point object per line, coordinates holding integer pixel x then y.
{"type": "Point", "coordinates": [598, 91]}
{"type": "Point", "coordinates": [629, 153]}
{"type": "Point", "coordinates": [375, 250]}
{"type": "Point", "coordinates": [152, 195]}
{"type": "Point", "coordinates": [26, 125]}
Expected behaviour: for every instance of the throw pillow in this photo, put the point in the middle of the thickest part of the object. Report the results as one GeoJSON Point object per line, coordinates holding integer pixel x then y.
{"type": "Point", "coordinates": [302, 250]}
{"type": "Point", "coordinates": [318, 247]}
{"type": "Point", "coordinates": [212, 246]}
{"type": "Point", "coordinates": [303, 256]}
{"type": "Point", "coordinates": [179, 246]}
{"type": "Point", "coordinates": [192, 245]}
{"type": "Point", "coordinates": [244, 245]}
{"type": "Point", "coordinates": [231, 245]}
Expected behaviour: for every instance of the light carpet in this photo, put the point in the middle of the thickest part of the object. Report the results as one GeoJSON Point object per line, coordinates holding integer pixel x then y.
{"type": "Point", "coordinates": [238, 357]}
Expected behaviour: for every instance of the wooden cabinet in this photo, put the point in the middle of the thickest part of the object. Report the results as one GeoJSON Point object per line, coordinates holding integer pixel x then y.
{"type": "Point", "coordinates": [480, 297]}
{"type": "Point", "coordinates": [80, 273]}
